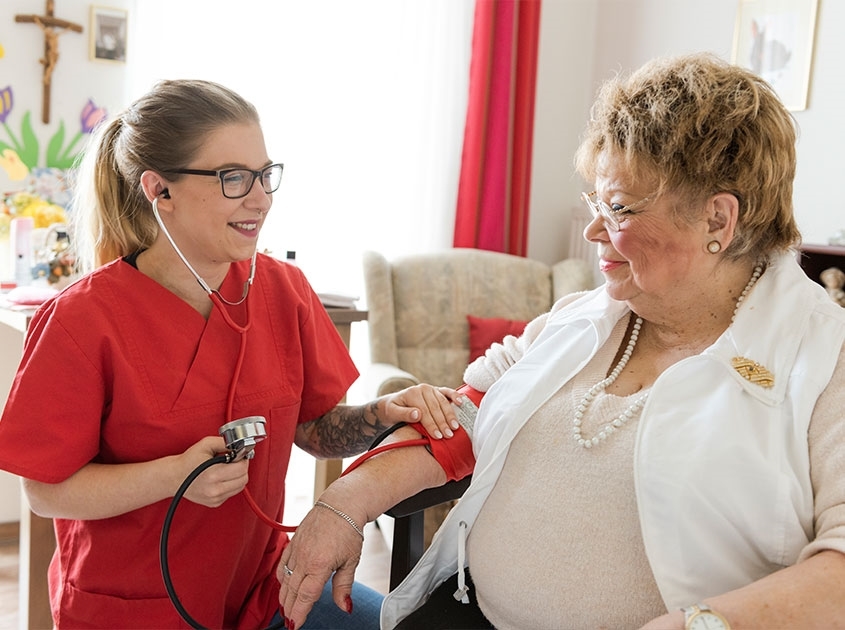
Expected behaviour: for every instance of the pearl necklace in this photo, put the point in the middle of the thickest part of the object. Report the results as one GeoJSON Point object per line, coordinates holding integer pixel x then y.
{"type": "Point", "coordinates": [758, 271]}
{"type": "Point", "coordinates": [639, 403]}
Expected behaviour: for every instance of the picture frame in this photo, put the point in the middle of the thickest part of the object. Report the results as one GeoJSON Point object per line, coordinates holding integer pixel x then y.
{"type": "Point", "coordinates": [108, 34]}
{"type": "Point", "coordinates": [775, 39]}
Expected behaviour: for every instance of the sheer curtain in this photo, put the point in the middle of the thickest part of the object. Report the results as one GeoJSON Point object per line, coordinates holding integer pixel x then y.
{"type": "Point", "coordinates": [364, 102]}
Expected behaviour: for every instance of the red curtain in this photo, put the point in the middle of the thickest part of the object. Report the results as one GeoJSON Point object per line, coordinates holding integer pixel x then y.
{"type": "Point", "coordinates": [494, 187]}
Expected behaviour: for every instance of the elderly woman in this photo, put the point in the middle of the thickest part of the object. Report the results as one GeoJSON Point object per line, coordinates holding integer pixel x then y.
{"type": "Point", "coordinates": [666, 451]}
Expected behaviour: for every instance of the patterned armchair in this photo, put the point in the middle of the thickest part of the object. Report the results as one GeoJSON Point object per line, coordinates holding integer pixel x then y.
{"type": "Point", "coordinates": [418, 306]}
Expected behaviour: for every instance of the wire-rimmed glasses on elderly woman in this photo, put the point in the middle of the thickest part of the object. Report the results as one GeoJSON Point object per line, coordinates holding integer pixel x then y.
{"type": "Point", "coordinates": [237, 182]}
{"type": "Point", "coordinates": [613, 215]}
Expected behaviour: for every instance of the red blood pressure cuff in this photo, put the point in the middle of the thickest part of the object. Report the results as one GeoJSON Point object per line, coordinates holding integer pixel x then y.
{"type": "Point", "coordinates": [454, 454]}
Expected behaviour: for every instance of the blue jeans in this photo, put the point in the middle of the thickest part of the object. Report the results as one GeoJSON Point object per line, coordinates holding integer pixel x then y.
{"type": "Point", "coordinates": [325, 615]}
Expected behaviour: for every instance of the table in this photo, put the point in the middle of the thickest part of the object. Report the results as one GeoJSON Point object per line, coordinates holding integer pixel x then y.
{"type": "Point", "coordinates": [327, 470]}
{"type": "Point", "coordinates": [17, 318]}
{"type": "Point", "coordinates": [37, 538]}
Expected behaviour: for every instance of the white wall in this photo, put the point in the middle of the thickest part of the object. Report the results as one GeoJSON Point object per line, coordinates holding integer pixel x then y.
{"type": "Point", "coordinates": [583, 42]}
{"type": "Point", "coordinates": [363, 101]}
{"type": "Point", "coordinates": [565, 70]}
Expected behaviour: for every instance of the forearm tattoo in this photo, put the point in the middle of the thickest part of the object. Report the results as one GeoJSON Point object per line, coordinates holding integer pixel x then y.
{"type": "Point", "coordinates": [345, 431]}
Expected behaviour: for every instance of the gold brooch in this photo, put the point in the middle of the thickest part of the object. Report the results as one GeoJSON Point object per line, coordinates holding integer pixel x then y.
{"type": "Point", "coordinates": [754, 372]}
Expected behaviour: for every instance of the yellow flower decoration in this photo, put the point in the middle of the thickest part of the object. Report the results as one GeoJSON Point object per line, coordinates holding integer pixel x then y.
{"type": "Point", "coordinates": [13, 165]}
{"type": "Point", "coordinates": [44, 213]}
{"type": "Point", "coordinates": [5, 219]}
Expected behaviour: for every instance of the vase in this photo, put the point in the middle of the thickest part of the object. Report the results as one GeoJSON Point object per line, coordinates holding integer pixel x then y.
{"type": "Point", "coordinates": [5, 259]}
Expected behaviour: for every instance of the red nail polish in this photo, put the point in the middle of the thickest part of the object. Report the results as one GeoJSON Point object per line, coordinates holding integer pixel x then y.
{"type": "Point", "coordinates": [289, 624]}
{"type": "Point", "coordinates": [349, 604]}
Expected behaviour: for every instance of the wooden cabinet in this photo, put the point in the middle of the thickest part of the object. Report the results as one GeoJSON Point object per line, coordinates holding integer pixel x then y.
{"type": "Point", "coordinates": [816, 258]}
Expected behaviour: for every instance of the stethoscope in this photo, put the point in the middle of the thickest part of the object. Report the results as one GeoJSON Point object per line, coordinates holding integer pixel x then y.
{"type": "Point", "coordinates": [240, 435]}
{"type": "Point", "coordinates": [220, 302]}
{"type": "Point", "coordinates": [214, 295]}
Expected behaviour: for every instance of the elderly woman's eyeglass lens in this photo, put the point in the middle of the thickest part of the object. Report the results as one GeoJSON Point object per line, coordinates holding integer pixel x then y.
{"type": "Point", "coordinates": [613, 215]}
{"type": "Point", "coordinates": [237, 182]}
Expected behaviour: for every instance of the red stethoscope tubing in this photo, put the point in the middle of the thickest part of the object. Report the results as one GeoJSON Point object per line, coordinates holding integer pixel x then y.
{"type": "Point", "coordinates": [379, 449]}
{"type": "Point", "coordinates": [230, 398]}
{"type": "Point", "coordinates": [230, 403]}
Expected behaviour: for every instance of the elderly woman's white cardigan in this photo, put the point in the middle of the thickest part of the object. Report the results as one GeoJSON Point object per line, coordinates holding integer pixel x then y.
{"type": "Point", "coordinates": [721, 465]}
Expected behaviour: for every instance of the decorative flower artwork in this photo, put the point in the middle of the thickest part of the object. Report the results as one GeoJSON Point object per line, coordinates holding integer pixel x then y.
{"type": "Point", "coordinates": [52, 260]}
{"type": "Point", "coordinates": [43, 211]}
{"type": "Point", "coordinates": [43, 193]}
{"type": "Point", "coordinates": [26, 204]}
{"type": "Point", "coordinates": [35, 161]}
{"type": "Point", "coordinates": [21, 154]}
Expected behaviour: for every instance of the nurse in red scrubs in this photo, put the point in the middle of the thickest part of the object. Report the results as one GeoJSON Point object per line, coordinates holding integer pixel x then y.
{"type": "Point", "coordinates": [181, 327]}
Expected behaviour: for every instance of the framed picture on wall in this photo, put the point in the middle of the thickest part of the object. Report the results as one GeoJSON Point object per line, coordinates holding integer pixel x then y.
{"type": "Point", "coordinates": [774, 38]}
{"type": "Point", "coordinates": [108, 34]}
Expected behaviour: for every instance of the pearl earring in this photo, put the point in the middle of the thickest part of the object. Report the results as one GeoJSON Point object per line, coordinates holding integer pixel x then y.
{"type": "Point", "coordinates": [714, 247]}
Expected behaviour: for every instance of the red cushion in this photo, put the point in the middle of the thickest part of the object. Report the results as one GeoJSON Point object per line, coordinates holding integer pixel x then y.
{"type": "Point", "coordinates": [485, 331]}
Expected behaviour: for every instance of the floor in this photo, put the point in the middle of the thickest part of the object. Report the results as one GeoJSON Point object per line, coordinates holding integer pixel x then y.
{"type": "Point", "coordinates": [373, 570]}
{"type": "Point", "coordinates": [9, 575]}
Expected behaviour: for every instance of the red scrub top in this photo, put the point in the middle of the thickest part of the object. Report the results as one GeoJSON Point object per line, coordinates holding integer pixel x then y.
{"type": "Point", "coordinates": [118, 369]}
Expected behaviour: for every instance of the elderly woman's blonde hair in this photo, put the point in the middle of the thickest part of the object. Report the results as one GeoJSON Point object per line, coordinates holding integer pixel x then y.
{"type": "Point", "coordinates": [696, 125]}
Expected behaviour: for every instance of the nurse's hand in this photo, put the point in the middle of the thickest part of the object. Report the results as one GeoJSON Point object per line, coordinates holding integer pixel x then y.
{"type": "Point", "coordinates": [431, 406]}
{"type": "Point", "coordinates": [216, 483]}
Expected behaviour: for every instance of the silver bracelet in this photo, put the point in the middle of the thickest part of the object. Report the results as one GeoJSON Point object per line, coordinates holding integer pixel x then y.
{"type": "Point", "coordinates": [342, 515]}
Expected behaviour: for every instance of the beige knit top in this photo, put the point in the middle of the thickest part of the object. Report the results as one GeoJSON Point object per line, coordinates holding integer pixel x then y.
{"type": "Point", "coordinates": [558, 545]}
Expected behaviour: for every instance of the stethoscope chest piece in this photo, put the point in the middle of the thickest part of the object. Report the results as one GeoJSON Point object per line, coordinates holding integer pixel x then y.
{"type": "Point", "coordinates": [242, 435]}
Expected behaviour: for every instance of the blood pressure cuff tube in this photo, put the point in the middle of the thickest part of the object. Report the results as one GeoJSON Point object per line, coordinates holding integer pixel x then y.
{"type": "Point", "coordinates": [455, 454]}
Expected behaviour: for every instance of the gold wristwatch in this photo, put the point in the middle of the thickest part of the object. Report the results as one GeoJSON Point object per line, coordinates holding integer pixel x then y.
{"type": "Point", "coordinates": [702, 617]}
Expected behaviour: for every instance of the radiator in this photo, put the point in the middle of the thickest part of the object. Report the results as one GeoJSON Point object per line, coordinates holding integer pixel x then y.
{"type": "Point", "coordinates": [579, 247]}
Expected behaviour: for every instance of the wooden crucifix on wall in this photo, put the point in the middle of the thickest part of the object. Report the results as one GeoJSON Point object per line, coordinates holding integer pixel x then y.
{"type": "Point", "coordinates": [52, 27]}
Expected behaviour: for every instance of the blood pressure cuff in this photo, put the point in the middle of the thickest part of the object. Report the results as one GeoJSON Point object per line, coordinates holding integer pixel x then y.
{"type": "Point", "coordinates": [455, 454]}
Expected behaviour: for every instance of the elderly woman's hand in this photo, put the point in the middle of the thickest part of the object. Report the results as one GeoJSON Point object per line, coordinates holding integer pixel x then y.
{"type": "Point", "coordinates": [670, 621]}
{"type": "Point", "coordinates": [324, 543]}
{"type": "Point", "coordinates": [430, 406]}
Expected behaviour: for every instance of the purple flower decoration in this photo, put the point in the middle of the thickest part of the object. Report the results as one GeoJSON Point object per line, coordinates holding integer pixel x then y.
{"type": "Point", "coordinates": [6, 102]}
{"type": "Point", "coordinates": [91, 116]}
{"type": "Point", "coordinates": [26, 152]}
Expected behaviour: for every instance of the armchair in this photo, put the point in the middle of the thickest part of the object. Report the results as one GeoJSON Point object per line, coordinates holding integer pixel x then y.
{"type": "Point", "coordinates": [418, 329]}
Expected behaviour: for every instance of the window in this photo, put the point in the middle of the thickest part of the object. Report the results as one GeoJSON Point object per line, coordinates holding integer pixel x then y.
{"type": "Point", "coordinates": [365, 107]}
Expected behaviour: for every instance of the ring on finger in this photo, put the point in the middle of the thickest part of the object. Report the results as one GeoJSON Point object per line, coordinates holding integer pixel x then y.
{"type": "Point", "coordinates": [288, 571]}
